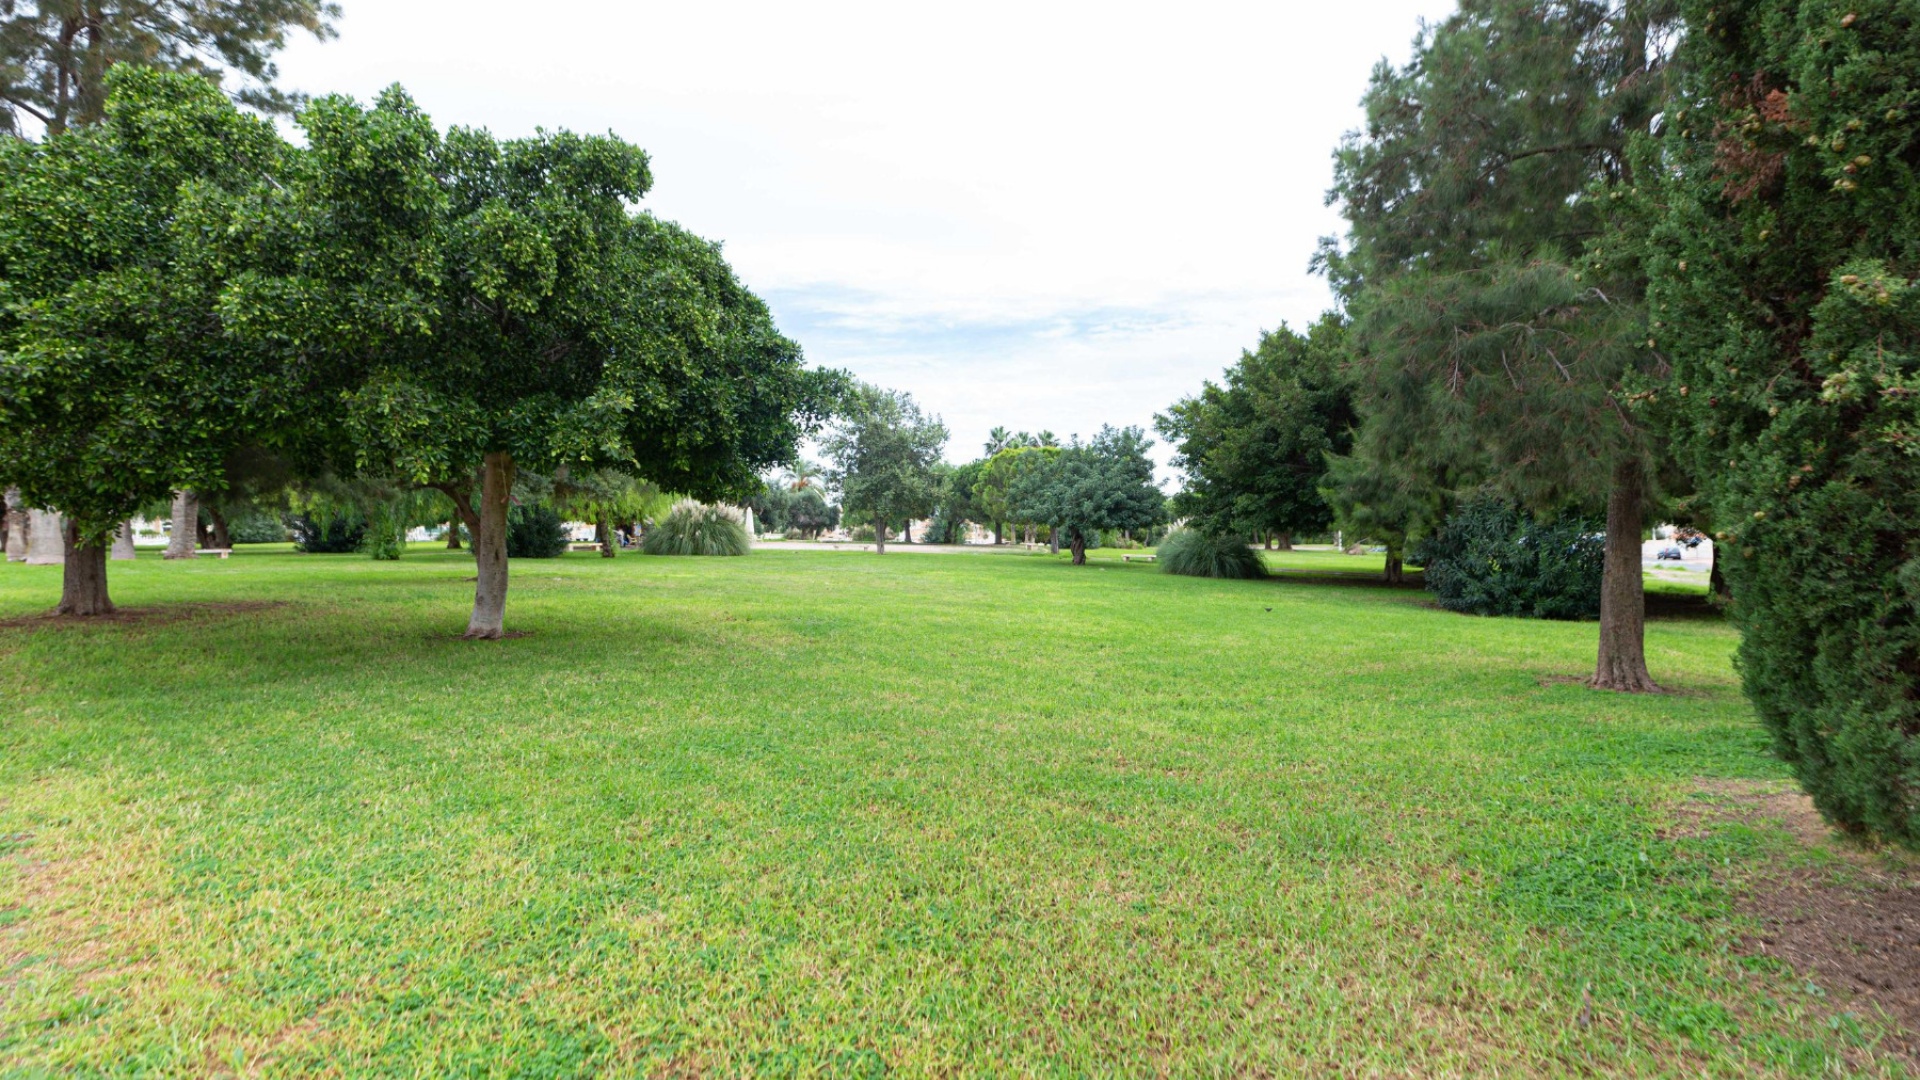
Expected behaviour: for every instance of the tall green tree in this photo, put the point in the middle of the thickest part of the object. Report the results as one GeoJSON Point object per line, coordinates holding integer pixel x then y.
{"type": "Point", "coordinates": [1082, 490]}
{"type": "Point", "coordinates": [1254, 449]}
{"type": "Point", "coordinates": [1784, 243]}
{"type": "Point", "coordinates": [487, 306]}
{"type": "Point", "coordinates": [884, 451]}
{"type": "Point", "coordinates": [118, 380]}
{"type": "Point", "coordinates": [1484, 174]}
{"type": "Point", "coordinates": [993, 488]}
{"type": "Point", "coordinates": [55, 54]}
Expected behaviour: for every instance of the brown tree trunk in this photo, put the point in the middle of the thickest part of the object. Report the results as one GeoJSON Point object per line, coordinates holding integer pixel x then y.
{"type": "Point", "coordinates": [83, 584]}
{"type": "Point", "coordinates": [998, 534]}
{"type": "Point", "coordinates": [1269, 539]}
{"type": "Point", "coordinates": [453, 535]}
{"type": "Point", "coordinates": [1285, 541]}
{"type": "Point", "coordinates": [1717, 586]}
{"type": "Point", "coordinates": [186, 526]}
{"type": "Point", "coordinates": [1396, 572]}
{"type": "Point", "coordinates": [906, 532]}
{"type": "Point", "coordinates": [1078, 542]}
{"type": "Point", "coordinates": [222, 536]}
{"type": "Point", "coordinates": [123, 542]}
{"type": "Point", "coordinates": [1053, 538]}
{"type": "Point", "coordinates": [489, 619]}
{"type": "Point", "coordinates": [609, 538]}
{"type": "Point", "coordinates": [879, 534]}
{"type": "Point", "coordinates": [1622, 663]}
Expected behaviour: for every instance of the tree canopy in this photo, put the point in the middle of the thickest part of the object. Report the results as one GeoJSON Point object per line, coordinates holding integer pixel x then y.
{"type": "Point", "coordinates": [884, 452]}
{"type": "Point", "coordinates": [1106, 483]}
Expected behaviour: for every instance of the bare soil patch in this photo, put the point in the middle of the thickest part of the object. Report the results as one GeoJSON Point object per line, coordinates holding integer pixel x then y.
{"type": "Point", "coordinates": [1853, 928]}
{"type": "Point", "coordinates": [157, 615]}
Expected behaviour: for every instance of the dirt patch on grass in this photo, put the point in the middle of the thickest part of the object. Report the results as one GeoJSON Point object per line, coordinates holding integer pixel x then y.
{"type": "Point", "coordinates": [1851, 926]}
{"type": "Point", "coordinates": [156, 615]}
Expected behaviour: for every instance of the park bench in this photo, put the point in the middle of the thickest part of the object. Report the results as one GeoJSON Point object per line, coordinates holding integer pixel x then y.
{"type": "Point", "coordinates": [583, 547]}
{"type": "Point", "coordinates": [1142, 558]}
{"type": "Point", "coordinates": [222, 552]}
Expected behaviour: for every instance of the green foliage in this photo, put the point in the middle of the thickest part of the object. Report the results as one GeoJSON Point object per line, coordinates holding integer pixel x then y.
{"type": "Point", "coordinates": [535, 531]}
{"type": "Point", "coordinates": [1492, 558]}
{"type": "Point", "coordinates": [118, 381]}
{"type": "Point", "coordinates": [255, 526]}
{"type": "Point", "coordinates": [328, 532]}
{"type": "Point", "coordinates": [1255, 449]}
{"type": "Point", "coordinates": [809, 514]}
{"type": "Point", "coordinates": [55, 55]}
{"type": "Point", "coordinates": [1785, 250]}
{"type": "Point", "coordinates": [884, 453]}
{"type": "Point", "coordinates": [1198, 553]}
{"type": "Point", "coordinates": [1084, 489]}
{"type": "Point", "coordinates": [693, 528]}
{"type": "Point", "coordinates": [991, 492]}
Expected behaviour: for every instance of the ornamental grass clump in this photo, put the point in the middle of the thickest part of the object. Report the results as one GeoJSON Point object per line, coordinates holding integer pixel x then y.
{"type": "Point", "coordinates": [1197, 553]}
{"type": "Point", "coordinates": [693, 528]}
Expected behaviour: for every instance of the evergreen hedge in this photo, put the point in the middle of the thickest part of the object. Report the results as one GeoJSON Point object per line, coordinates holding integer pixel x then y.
{"type": "Point", "coordinates": [535, 532]}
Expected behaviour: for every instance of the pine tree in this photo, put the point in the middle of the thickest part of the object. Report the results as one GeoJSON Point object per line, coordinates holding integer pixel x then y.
{"type": "Point", "coordinates": [1484, 174]}
{"type": "Point", "coordinates": [55, 54]}
{"type": "Point", "coordinates": [1785, 285]}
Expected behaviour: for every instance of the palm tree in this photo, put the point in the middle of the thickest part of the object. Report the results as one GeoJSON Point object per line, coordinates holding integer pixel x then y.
{"type": "Point", "coordinates": [999, 439]}
{"type": "Point", "coordinates": [805, 474]}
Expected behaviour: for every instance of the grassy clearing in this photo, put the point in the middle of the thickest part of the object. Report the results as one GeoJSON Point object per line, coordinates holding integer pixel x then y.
{"type": "Point", "coordinates": [817, 812]}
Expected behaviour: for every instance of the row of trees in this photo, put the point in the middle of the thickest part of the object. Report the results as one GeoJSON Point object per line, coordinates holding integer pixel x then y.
{"type": "Point", "coordinates": [426, 309]}
{"type": "Point", "coordinates": [1627, 258]}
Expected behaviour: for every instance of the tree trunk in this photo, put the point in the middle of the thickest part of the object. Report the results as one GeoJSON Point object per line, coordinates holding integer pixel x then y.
{"type": "Point", "coordinates": [46, 538]}
{"type": "Point", "coordinates": [453, 535]}
{"type": "Point", "coordinates": [16, 527]}
{"type": "Point", "coordinates": [998, 534]}
{"type": "Point", "coordinates": [1717, 586]}
{"type": "Point", "coordinates": [1285, 541]}
{"type": "Point", "coordinates": [1269, 540]}
{"type": "Point", "coordinates": [83, 584]}
{"type": "Point", "coordinates": [1078, 542]}
{"type": "Point", "coordinates": [609, 538]}
{"type": "Point", "coordinates": [879, 534]}
{"type": "Point", "coordinates": [186, 524]}
{"type": "Point", "coordinates": [490, 549]}
{"type": "Point", "coordinates": [1053, 538]}
{"type": "Point", "coordinates": [123, 542]}
{"type": "Point", "coordinates": [906, 532]}
{"type": "Point", "coordinates": [1622, 663]}
{"type": "Point", "coordinates": [1396, 573]}
{"type": "Point", "coordinates": [222, 536]}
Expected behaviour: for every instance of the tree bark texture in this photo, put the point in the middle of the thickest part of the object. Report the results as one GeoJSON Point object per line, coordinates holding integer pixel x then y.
{"type": "Point", "coordinates": [1396, 571]}
{"type": "Point", "coordinates": [1053, 539]}
{"type": "Point", "coordinates": [1078, 542]}
{"type": "Point", "coordinates": [453, 535]}
{"type": "Point", "coordinates": [1285, 541]}
{"type": "Point", "coordinates": [222, 536]}
{"type": "Point", "coordinates": [1717, 584]}
{"type": "Point", "coordinates": [186, 526]}
{"type": "Point", "coordinates": [83, 584]}
{"type": "Point", "coordinates": [879, 534]}
{"type": "Point", "coordinates": [1622, 662]}
{"type": "Point", "coordinates": [123, 542]}
{"type": "Point", "coordinates": [490, 549]}
{"type": "Point", "coordinates": [609, 538]}
{"type": "Point", "coordinates": [46, 538]}
{"type": "Point", "coordinates": [16, 527]}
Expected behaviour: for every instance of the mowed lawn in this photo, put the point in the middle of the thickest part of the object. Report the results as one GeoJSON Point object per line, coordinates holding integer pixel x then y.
{"type": "Point", "coordinates": [838, 813]}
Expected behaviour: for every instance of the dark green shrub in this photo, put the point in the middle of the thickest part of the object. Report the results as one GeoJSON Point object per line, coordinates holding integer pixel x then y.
{"type": "Point", "coordinates": [328, 532]}
{"type": "Point", "coordinates": [1491, 558]}
{"type": "Point", "coordinates": [692, 528]}
{"type": "Point", "coordinates": [535, 532]}
{"type": "Point", "coordinates": [1198, 553]}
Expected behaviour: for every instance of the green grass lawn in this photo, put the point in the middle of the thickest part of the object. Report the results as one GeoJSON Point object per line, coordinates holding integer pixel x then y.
{"type": "Point", "coordinates": [817, 812]}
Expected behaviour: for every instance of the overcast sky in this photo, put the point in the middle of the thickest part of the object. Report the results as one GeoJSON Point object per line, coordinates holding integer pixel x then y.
{"type": "Point", "coordinates": [1037, 215]}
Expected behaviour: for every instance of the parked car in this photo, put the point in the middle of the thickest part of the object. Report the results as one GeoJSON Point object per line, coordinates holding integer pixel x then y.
{"type": "Point", "coordinates": [1670, 554]}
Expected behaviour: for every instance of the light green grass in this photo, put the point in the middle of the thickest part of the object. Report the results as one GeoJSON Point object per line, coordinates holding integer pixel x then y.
{"type": "Point", "coordinates": [817, 812]}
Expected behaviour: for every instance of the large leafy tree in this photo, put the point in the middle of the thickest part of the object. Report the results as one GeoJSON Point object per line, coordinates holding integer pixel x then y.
{"type": "Point", "coordinates": [1472, 196]}
{"type": "Point", "coordinates": [55, 54]}
{"type": "Point", "coordinates": [489, 305]}
{"type": "Point", "coordinates": [1785, 256]}
{"type": "Point", "coordinates": [1254, 449]}
{"type": "Point", "coordinates": [118, 380]}
{"type": "Point", "coordinates": [1084, 489]}
{"type": "Point", "coordinates": [884, 452]}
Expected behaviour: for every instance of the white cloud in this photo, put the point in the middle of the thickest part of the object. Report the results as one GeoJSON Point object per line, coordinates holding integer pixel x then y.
{"type": "Point", "coordinates": [1038, 215]}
